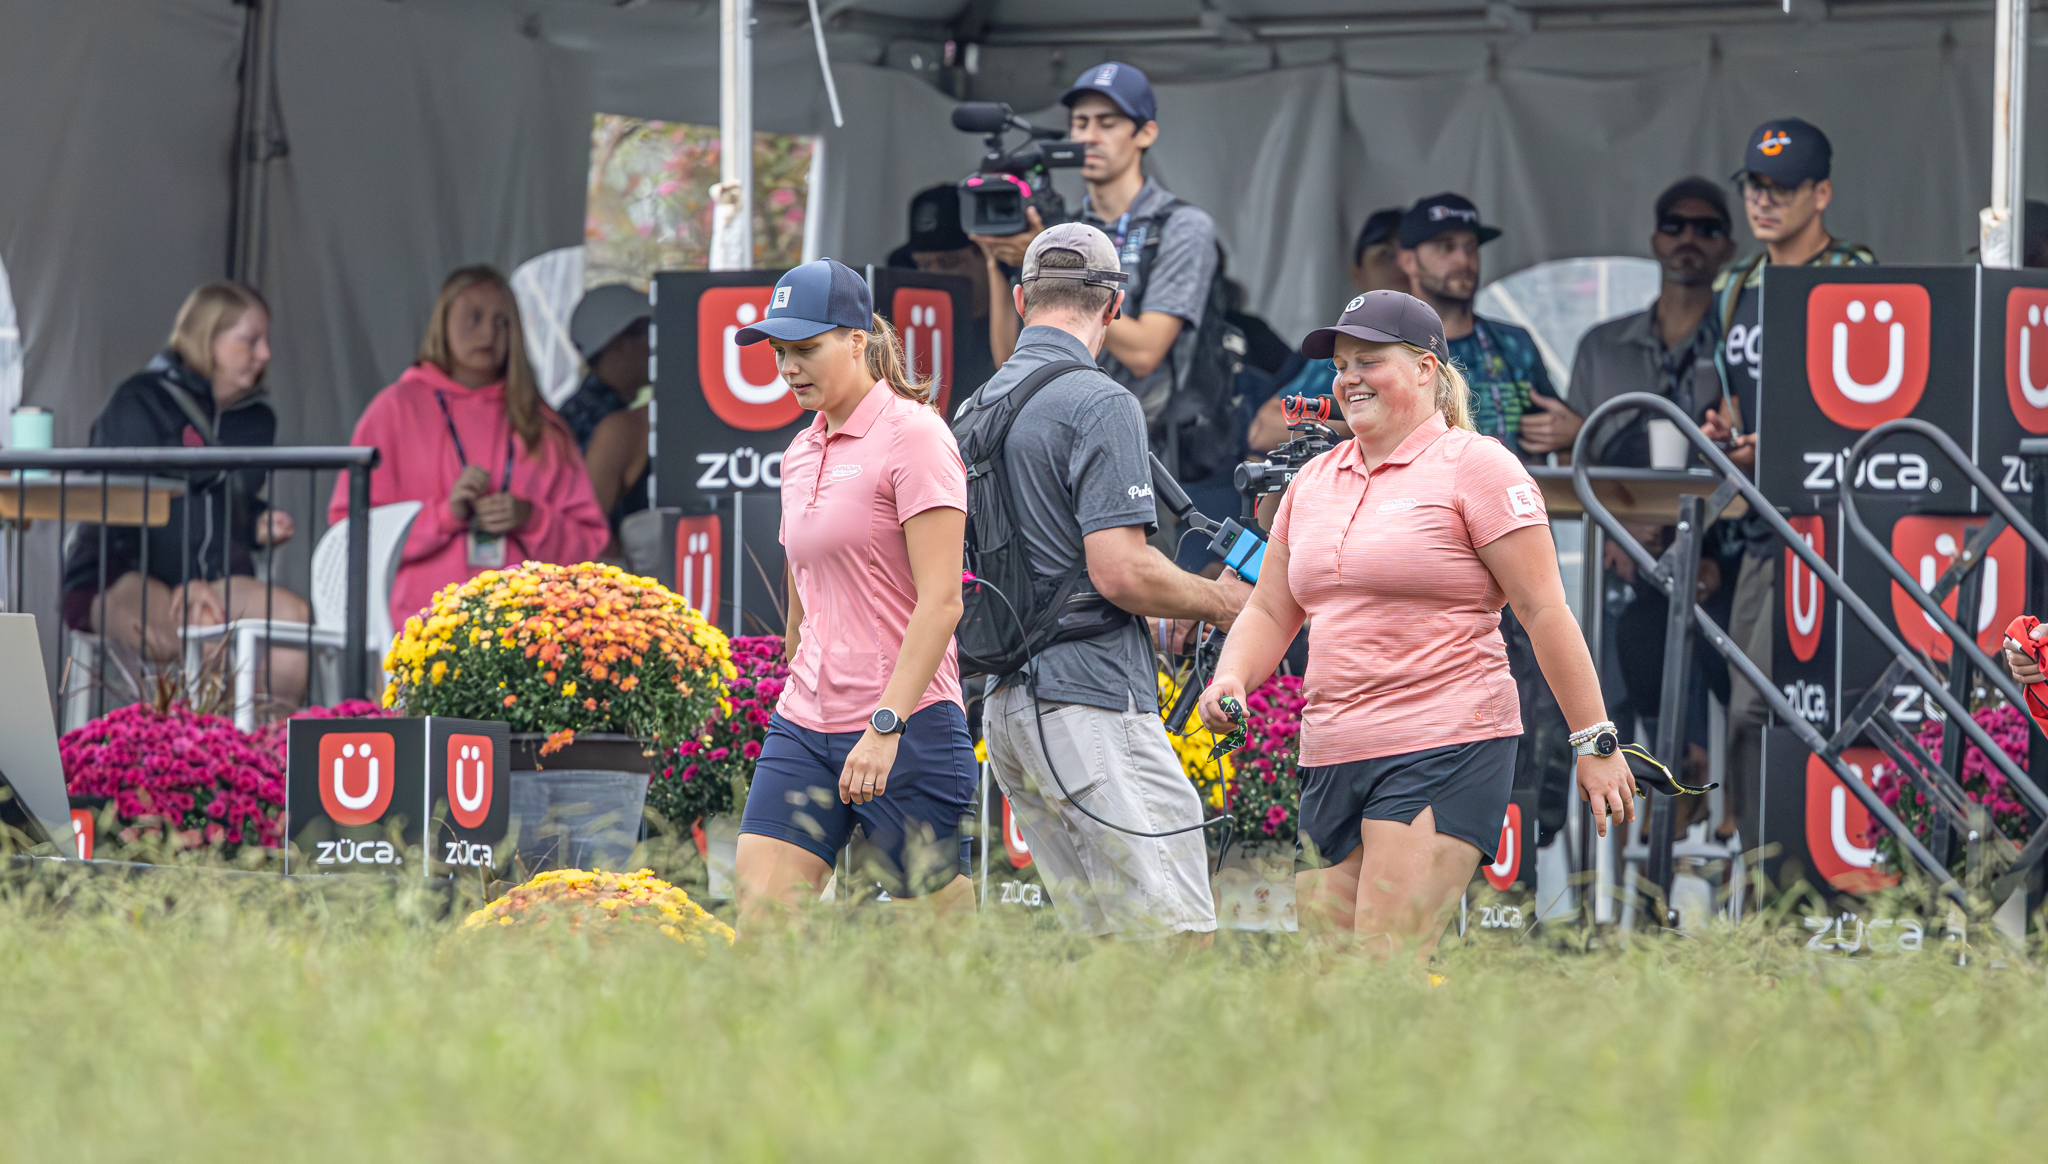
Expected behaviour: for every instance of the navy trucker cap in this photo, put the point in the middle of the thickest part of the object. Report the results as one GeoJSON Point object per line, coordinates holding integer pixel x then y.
{"type": "Point", "coordinates": [1789, 152]}
{"type": "Point", "coordinates": [1442, 214]}
{"type": "Point", "coordinates": [1124, 84]}
{"type": "Point", "coordinates": [1382, 317]}
{"type": "Point", "coordinates": [811, 300]}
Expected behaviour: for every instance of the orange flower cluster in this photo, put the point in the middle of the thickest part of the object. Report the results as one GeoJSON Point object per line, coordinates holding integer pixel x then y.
{"type": "Point", "coordinates": [562, 649]}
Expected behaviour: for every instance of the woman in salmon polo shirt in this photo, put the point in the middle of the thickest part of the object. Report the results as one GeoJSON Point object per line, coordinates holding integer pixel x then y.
{"type": "Point", "coordinates": [870, 730]}
{"type": "Point", "coordinates": [1413, 534]}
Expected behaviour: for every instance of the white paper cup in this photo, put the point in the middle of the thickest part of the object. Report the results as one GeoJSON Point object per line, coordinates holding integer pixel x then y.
{"type": "Point", "coordinates": [1668, 447]}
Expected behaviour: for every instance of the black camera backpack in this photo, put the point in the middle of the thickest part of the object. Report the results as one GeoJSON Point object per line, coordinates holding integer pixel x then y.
{"type": "Point", "coordinates": [1200, 432]}
{"type": "Point", "coordinates": [1009, 612]}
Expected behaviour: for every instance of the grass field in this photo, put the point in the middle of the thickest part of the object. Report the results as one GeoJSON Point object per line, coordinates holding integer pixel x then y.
{"type": "Point", "coordinates": [267, 1022]}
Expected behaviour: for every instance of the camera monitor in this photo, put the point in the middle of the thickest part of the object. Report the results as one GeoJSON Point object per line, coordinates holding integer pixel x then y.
{"type": "Point", "coordinates": [32, 797]}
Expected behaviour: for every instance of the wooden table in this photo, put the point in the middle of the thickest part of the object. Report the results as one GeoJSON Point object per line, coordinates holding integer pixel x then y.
{"type": "Point", "coordinates": [77, 498]}
{"type": "Point", "coordinates": [1634, 495]}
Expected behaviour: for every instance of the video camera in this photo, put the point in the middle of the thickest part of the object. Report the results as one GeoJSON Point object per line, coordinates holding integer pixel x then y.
{"type": "Point", "coordinates": [1305, 415]}
{"type": "Point", "coordinates": [993, 199]}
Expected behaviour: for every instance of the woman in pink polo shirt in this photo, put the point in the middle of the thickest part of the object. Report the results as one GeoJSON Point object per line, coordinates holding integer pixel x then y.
{"type": "Point", "coordinates": [1414, 534]}
{"type": "Point", "coordinates": [871, 729]}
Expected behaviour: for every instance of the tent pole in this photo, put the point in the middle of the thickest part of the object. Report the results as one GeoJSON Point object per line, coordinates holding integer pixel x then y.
{"type": "Point", "coordinates": [732, 236]}
{"type": "Point", "coordinates": [255, 148]}
{"type": "Point", "coordinates": [2003, 226]}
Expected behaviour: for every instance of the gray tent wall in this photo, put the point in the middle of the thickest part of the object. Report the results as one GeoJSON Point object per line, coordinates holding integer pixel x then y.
{"type": "Point", "coordinates": [430, 133]}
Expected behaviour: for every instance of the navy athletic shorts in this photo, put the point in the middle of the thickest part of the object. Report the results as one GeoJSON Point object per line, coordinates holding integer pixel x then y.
{"type": "Point", "coordinates": [1468, 786]}
{"type": "Point", "coordinates": [914, 838]}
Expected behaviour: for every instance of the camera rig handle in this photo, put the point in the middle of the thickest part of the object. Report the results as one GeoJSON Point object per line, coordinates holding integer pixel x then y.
{"type": "Point", "coordinates": [1305, 410]}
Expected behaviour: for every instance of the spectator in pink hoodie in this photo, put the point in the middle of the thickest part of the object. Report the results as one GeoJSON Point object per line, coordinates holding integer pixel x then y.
{"type": "Point", "coordinates": [465, 432]}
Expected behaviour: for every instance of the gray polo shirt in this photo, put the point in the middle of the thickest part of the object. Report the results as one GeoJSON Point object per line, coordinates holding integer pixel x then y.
{"type": "Point", "coordinates": [1182, 270]}
{"type": "Point", "coordinates": [1628, 355]}
{"type": "Point", "coordinates": [1076, 458]}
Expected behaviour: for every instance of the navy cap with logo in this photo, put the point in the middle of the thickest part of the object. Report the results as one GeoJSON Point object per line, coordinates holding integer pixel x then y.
{"type": "Point", "coordinates": [1124, 84]}
{"type": "Point", "coordinates": [1789, 152]}
{"type": "Point", "coordinates": [1382, 317]}
{"type": "Point", "coordinates": [1382, 226]}
{"type": "Point", "coordinates": [811, 300]}
{"type": "Point", "coordinates": [1442, 214]}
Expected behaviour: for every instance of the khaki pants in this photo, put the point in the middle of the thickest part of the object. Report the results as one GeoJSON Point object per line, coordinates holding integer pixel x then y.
{"type": "Point", "coordinates": [1123, 767]}
{"type": "Point", "coordinates": [1749, 625]}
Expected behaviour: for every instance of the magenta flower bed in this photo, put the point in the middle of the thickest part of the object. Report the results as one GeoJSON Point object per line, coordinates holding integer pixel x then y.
{"type": "Point", "coordinates": [183, 776]}
{"type": "Point", "coordinates": [710, 774]}
{"type": "Point", "coordinates": [1982, 782]}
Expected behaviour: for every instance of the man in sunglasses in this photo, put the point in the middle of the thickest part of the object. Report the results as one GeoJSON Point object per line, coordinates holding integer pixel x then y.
{"type": "Point", "coordinates": [1668, 348]}
{"type": "Point", "coordinates": [1785, 193]}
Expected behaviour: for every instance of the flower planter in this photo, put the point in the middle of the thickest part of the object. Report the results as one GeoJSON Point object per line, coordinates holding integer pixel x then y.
{"type": "Point", "coordinates": [581, 807]}
{"type": "Point", "coordinates": [1255, 887]}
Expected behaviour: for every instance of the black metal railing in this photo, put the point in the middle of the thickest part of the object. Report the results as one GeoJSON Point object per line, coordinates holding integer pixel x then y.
{"type": "Point", "coordinates": [1941, 783]}
{"type": "Point", "coordinates": [1675, 573]}
{"type": "Point", "coordinates": [93, 491]}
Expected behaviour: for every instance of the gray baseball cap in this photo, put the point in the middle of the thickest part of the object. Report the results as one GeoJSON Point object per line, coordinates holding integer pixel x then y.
{"type": "Point", "coordinates": [603, 314]}
{"type": "Point", "coordinates": [1099, 266]}
{"type": "Point", "coordinates": [1382, 317]}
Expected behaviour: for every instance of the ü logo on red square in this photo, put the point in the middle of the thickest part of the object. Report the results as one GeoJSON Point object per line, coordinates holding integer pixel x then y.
{"type": "Point", "coordinates": [2026, 357]}
{"type": "Point", "coordinates": [1867, 350]}
{"type": "Point", "coordinates": [1803, 595]}
{"type": "Point", "coordinates": [742, 385]}
{"type": "Point", "coordinates": [356, 772]}
{"type": "Point", "coordinates": [470, 764]}
{"type": "Point", "coordinates": [1507, 855]}
{"type": "Point", "coordinates": [924, 318]}
{"type": "Point", "coordinates": [1838, 827]}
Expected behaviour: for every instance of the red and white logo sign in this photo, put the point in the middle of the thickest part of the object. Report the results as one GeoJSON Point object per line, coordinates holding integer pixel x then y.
{"type": "Point", "coordinates": [924, 318]}
{"type": "Point", "coordinates": [2026, 357]}
{"type": "Point", "coordinates": [1927, 546]}
{"type": "Point", "coordinates": [699, 542]}
{"type": "Point", "coordinates": [470, 765]}
{"type": "Point", "coordinates": [356, 772]}
{"type": "Point", "coordinates": [1013, 838]}
{"type": "Point", "coordinates": [1803, 592]}
{"type": "Point", "coordinates": [83, 830]}
{"type": "Point", "coordinates": [740, 384]}
{"type": "Point", "coordinates": [1507, 855]}
{"type": "Point", "coordinates": [1867, 350]}
{"type": "Point", "coordinates": [1524, 501]}
{"type": "Point", "coordinates": [1838, 826]}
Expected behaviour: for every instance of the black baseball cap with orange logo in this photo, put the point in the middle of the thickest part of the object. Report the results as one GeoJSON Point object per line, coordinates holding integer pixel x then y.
{"type": "Point", "coordinates": [1789, 152]}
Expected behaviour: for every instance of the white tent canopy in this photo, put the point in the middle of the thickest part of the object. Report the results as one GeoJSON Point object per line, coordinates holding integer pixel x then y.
{"type": "Point", "coordinates": [418, 135]}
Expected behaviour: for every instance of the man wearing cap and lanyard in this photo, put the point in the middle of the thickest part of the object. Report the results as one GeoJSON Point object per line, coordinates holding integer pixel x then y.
{"type": "Point", "coordinates": [1076, 458]}
{"type": "Point", "coordinates": [1440, 241]}
{"type": "Point", "coordinates": [608, 411]}
{"type": "Point", "coordinates": [1114, 114]}
{"type": "Point", "coordinates": [1785, 193]}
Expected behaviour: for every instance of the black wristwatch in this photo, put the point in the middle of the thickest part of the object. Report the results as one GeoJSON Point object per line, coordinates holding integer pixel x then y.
{"type": "Point", "coordinates": [887, 722]}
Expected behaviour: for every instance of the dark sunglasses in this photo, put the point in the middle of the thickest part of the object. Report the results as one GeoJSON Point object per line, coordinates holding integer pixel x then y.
{"type": "Point", "coordinates": [1706, 228]}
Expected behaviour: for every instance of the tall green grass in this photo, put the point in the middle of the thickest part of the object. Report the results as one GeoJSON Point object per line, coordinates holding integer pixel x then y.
{"type": "Point", "coordinates": [170, 1018]}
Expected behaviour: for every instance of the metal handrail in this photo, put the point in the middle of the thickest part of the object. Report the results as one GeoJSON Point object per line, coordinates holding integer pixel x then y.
{"type": "Point", "coordinates": [157, 459]}
{"type": "Point", "coordinates": [1965, 641]}
{"type": "Point", "coordinates": [1731, 476]}
{"type": "Point", "coordinates": [355, 636]}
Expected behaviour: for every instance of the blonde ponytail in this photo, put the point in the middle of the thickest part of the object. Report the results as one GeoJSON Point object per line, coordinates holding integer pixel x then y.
{"type": "Point", "coordinates": [885, 362]}
{"type": "Point", "coordinates": [1453, 395]}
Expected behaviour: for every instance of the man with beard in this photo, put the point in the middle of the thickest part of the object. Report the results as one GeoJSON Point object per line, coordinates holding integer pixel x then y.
{"type": "Point", "coordinates": [1667, 349]}
{"type": "Point", "coordinates": [1440, 241]}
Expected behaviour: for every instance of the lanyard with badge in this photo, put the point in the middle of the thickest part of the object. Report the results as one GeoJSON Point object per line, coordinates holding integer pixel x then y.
{"type": "Point", "coordinates": [486, 550]}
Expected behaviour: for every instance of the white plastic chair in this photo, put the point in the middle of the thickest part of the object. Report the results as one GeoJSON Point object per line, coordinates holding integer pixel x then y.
{"type": "Point", "coordinates": [390, 526]}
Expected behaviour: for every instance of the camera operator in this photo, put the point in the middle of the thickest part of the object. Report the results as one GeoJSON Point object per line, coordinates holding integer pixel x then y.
{"type": "Point", "coordinates": [1167, 246]}
{"type": "Point", "coordinates": [1076, 459]}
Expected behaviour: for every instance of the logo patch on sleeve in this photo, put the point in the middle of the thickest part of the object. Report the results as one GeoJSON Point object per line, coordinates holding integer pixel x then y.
{"type": "Point", "coordinates": [1524, 501]}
